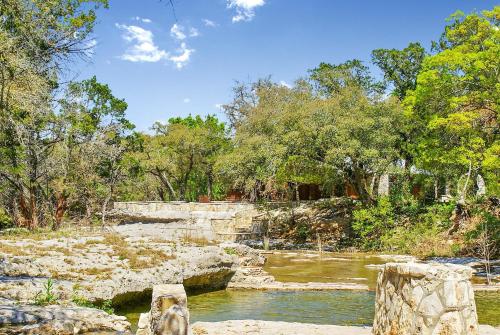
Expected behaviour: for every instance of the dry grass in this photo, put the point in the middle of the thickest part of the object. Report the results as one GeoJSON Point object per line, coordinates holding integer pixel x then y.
{"type": "Point", "coordinates": [38, 234]}
{"type": "Point", "coordinates": [160, 240]}
{"type": "Point", "coordinates": [30, 250]}
{"type": "Point", "coordinates": [65, 275]}
{"type": "Point", "coordinates": [69, 261]}
{"type": "Point", "coordinates": [189, 238]}
{"type": "Point", "coordinates": [138, 257]}
{"type": "Point", "coordinates": [86, 244]}
{"type": "Point", "coordinates": [100, 273]}
{"type": "Point", "coordinates": [199, 331]}
{"type": "Point", "coordinates": [12, 250]}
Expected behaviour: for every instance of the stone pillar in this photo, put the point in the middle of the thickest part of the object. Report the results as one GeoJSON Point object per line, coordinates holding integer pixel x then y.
{"type": "Point", "coordinates": [383, 185]}
{"type": "Point", "coordinates": [425, 299]}
{"type": "Point", "coordinates": [169, 314]}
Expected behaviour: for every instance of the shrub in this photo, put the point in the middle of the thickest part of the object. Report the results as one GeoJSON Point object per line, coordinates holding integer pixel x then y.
{"type": "Point", "coordinates": [231, 251]}
{"type": "Point", "coordinates": [5, 219]}
{"type": "Point", "coordinates": [47, 296]}
{"type": "Point", "coordinates": [302, 233]}
{"type": "Point", "coordinates": [370, 223]}
{"type": "Point", "coordinates": [106, 305]}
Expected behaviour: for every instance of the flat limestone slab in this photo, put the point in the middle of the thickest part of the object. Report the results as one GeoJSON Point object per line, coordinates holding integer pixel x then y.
{"type": "Point", "coordinates": [290, 286]}
{"type": "Point", "coordinates": [256, 327]}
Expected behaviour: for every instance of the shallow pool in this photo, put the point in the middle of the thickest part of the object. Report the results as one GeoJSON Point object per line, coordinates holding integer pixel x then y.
{"type": "Point", "coordinates": [334, 307]}
{"type": "Point", "coordinates": [306, 267]}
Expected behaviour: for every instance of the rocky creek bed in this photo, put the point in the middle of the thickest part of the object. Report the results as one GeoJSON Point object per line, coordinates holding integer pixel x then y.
{"type": "Point", "coordinates": [120, 267]}
{"type": "Point", "coordinates": [92, 269]}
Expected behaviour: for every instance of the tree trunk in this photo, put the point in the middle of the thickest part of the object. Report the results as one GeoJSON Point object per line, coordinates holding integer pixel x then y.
{"type": "Point", "coordinates": [481, 186]}
{"type": "Point", "coordinates": [28, 210]}
{"type": "Point", "coordinates": [463, 194]}
{"type": "Point", "coordinates": [60, 210]}
{"type": "Point", "coordinates": [359, 184]}
{"type": "Point", "coordinates": [104, 208]}
{"type": "Point", "coordinates": [161, 193]}
{"type": "Point", "coordinates": [164, 180]}
{"type": "Point", "coordinates": [209, 185]}
{"type": "Point", "coordinates": [436, 190]}
{"type": "Point", "coordinates": [297, 193]}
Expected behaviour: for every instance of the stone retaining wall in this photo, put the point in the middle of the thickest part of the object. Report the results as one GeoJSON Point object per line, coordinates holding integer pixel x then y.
{"type": "Point", "coordinates": [218, 221]}
{"type": "Point", "coordinates": [434, 299]}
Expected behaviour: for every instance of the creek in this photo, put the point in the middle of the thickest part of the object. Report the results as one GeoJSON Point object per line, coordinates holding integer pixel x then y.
{"type": "Point", "coordinates": [331, 307]}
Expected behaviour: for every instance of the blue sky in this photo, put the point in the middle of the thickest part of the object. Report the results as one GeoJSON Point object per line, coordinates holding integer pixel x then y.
{"type": "Point", "coordinates": [165, 65]}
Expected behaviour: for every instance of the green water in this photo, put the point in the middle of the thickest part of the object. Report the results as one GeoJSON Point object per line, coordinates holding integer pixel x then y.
{"type": "Point", "coordinates": [336, 307]}
{"type": "Point", "coordinates": [356, 267]}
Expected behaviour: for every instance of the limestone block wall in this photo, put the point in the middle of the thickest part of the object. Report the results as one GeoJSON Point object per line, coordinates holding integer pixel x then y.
{"type": "Point", "coordinates": [427, 299]}
{"type": "Point", "coordinates": [224, 221]}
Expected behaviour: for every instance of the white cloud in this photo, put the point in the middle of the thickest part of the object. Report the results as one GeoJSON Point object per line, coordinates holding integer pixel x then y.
{"type": "Point", "coordinates": [186, 100]}
{"type": "Point", "coordinates": [142, 19]}
{"type": "Point", "coordinates": [177, 32]}
{"type": "Point", "coordinates": [193, 32]}
{"type": "Point", "coordinates": [142, 47]}
{"type": "Point", "coordinates": [209, 23]}
{"type": "Point", "coordinates": [284, 83]}
{"type": "Point", "coordinates": [245, 9]}
{"type": "Point", "coordinates": [183, 57]}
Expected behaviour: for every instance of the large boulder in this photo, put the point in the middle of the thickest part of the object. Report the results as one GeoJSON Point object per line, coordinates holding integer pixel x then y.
{"type": "Point", "coordinates": [60, 320]}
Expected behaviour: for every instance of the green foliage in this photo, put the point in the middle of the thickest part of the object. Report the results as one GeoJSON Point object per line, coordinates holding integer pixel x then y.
{"type": "Point", "coordinates": [330, 79]}
{"type": "Point", "coordinates": [294, 136]}
{"type": "Point", "coordinates": [391, 224]}
{"type": "Point", "coordinates": [47, 296]}
{"type": "Point", "coordinates": [181, 157]}
{"type": "Point", "coordinates": [370, 223]}
{"type": "Point", "coordinates": [486, 233]}
{"type": "Point", "coordinates": [303, 232]}
{"type": "Point", "coordinates": [231, 251]}
{"type": "Point", "coordinates": [106, 305]}
{"type": "Point", "coordinates": [400, 67]}
{"type": "Point", "coordinates": [5, 219]}
{"type": "Point", "coordinates": [454, 107]}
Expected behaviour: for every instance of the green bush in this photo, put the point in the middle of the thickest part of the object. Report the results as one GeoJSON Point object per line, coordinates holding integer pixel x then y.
{"type": "Point", "coordinates": [486, 232]}
{"type": "Point", "coordinates": [105, 305]}
{"type": "Point", "coordinates": [5, 219]}
{"type": "Point", "coordinates": [405, 226]}
{"type": "Point", "coordinates": [302, 232]}
{"type": "Point", "coordinates": [231, 251]}
{"type": "Point", "coordinates": [371, 222]}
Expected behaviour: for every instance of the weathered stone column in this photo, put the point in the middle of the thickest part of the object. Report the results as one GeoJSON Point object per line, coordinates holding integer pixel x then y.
{"type": "Point", "coordinates": [169, 314]}
{"type": "Point", "coordinates": [433, 299]}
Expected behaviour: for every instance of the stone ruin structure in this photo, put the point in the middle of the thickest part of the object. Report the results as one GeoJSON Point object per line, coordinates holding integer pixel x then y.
{"type": "Point", "coordinates": [215, 221]}
{"type": "Point", "coordinates": [433, 299]}
{"type": "Point", "coordinates": [169, 314]}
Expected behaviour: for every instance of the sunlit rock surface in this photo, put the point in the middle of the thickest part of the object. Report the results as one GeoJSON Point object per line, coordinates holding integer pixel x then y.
{"type": "Point", "coordinates": [60, 320]}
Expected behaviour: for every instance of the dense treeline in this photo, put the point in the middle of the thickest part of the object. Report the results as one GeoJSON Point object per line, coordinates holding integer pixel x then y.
{"type": "Point", "coordinates": [430, 124]}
